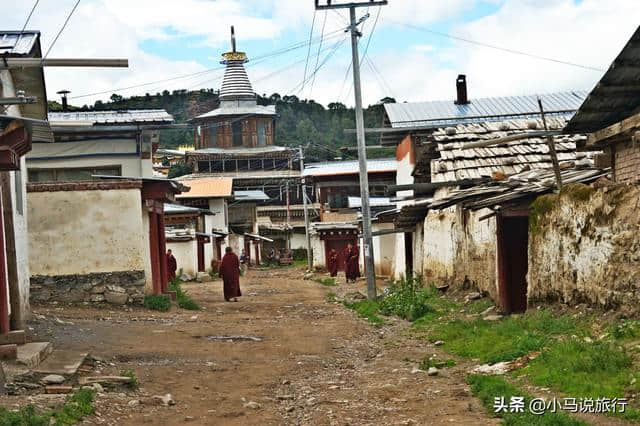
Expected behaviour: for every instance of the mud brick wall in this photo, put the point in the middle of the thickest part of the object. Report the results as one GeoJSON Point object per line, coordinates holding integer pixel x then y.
{"type": "Point", "coordinates": [584, 247]}
{"type": "Point", "coordinates": [627, 162]}
{"type": "Point", "coordinates": [460, 250]}
{"type": "Point", "coordinates": [118, 288]}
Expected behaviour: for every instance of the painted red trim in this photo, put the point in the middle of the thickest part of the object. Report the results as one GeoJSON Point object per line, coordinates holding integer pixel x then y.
{"type": "Point", "coordinates": [153, 248]}
{"type": "Point", "coordinates": [4, 289]}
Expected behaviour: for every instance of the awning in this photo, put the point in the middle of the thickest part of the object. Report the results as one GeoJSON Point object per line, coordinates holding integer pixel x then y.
{"type": "Point", "coordinates": [213, 234]}
{"type": "Point", "coordinates": [258, 237]}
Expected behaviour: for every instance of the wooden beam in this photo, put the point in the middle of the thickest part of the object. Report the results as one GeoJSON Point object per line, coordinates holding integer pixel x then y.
{"type": "Point", "coordinates": [627, 124]}
{"type": "Point", "coordinates": [10, 63]}
{"type": "Point", "coordinates": [510, 138]}
{"type": "Point", "coordinates": [620, 89]}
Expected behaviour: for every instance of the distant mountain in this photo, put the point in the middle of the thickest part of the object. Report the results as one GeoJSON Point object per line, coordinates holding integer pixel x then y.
{"type": "Point", "coordinates": [300, 122]}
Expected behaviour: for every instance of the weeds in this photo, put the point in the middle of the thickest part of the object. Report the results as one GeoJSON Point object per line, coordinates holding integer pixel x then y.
{"type": "Point", "coordinates": [407, 299]}
{"type": "Point", "coordinates": [328, 282]}
{"type": "Point", "coordinates": [134, 383]}
{"type": "Point", "coordinates": [490, 388]}
{"type": "Point", "coordinates": [626, 329]}
{"type": "Point", "coordinates": [77, 406]}
{"type": "Point", "coordinates": [504, 341]}
{"type": "Point", "coordinates": [331, 297]}
{"type": "Point", "coordinates": [157, 302]}
{"type": "Point", "coordinates": [367, 309]}
{"type": "Point", "coordinates": [431, 362]}
{"type": "Point", "coordinates": [184, 300]}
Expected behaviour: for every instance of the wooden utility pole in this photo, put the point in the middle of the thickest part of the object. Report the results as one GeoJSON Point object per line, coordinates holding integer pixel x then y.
{"type": "Point", "coordinates": [552, 149]}
{"type": "Point", "coordinates": [306, 213]}
{"type": "Point", "coordinates": [367, 236]}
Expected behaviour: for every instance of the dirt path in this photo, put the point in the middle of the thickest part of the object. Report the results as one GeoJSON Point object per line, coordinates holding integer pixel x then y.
{"type": "Point", "coordinates": [317, 362]}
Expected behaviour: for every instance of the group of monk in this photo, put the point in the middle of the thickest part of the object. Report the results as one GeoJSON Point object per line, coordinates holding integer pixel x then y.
{"type": "Point", "coordinates": [351, 259]}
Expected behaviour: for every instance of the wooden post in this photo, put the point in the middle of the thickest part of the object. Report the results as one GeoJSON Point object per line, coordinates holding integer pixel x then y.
{"type": "Point", "coordinates": [162, 247]}
{"type": "Point", "coordinates": [4, 303]}
{"type": "Point", "coordinates": [17, 322]}
{"type": "Point", "coordinates": [552, 149]}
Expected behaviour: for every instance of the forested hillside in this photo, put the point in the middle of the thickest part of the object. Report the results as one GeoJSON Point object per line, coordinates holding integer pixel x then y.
{"type": "Point", "coordinates": [300, 122]}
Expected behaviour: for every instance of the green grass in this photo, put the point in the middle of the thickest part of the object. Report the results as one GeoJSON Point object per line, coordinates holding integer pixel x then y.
{"type": "Point", "coordinates": [479, 306]}
{"type": "Point", "coordinates": [157, 302]}
{"type": "Point", "coordinates": [488, 388]}
{"type": "Point", "coordinates": [367, 309]}
{"type": "Point", "coordinates": [505, 340]}
{"type": "Point", "coordinates": [184, 300]}
{"type": "Point", "coordinates": [78, 406]}
{"type": "Point", "coordinates": [331, 297]}
{"type": "Point", "coordinates": [134, 383]}
{"type": "Point", "coordinates": [328, 282]}
{"type": "Point", "coordinates": [432, 362]}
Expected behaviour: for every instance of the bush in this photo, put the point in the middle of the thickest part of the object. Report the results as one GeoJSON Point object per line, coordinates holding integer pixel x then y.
{"type": "Point", "coordinates": [300, 254]}
{"type": "Point", "coordinates": [157, 302]}
{"type": "Point", "coordinates": [407, 299]}
{"type": "Point", "coordinates": [184, 300]}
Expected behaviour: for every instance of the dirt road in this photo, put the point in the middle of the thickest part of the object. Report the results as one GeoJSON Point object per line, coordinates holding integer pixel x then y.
{"type": "Point", "coordinates": [316, 362]}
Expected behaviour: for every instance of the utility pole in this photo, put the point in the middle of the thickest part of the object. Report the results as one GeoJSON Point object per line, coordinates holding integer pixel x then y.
{"type": "Point", "coordinates": [369, 264]}
{"type": "Point", "coordinates": [306, 213]}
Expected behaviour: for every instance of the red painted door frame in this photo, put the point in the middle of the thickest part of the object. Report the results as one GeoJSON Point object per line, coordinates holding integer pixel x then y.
{"type": "Point", "coordinates": [508, 283]}
{"type": "Point", "coordinates": [156, 260]}
{"type": "Point", "coordinates": [162, 248]}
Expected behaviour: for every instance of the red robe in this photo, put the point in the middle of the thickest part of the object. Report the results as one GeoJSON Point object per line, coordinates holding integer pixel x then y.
{"type": "Point", "coordinates": [332, 265]}
{"type": "Point", "coordinates": [172, 266]}
{"type": "Point", "coordinates": [352, 267]}
{"type": "Point", "coordinates": [230, 273]}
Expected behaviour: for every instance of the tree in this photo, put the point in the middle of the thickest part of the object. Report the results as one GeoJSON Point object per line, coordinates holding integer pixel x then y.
{"type": "Point", "coordinates": [178, 170]}
{"type": "Point", "coordinates": [115, 98]}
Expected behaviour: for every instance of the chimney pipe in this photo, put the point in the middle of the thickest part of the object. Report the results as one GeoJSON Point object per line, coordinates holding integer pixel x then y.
{"type": "Point", "coordinates": [63, 94]}
{"type": "Point", "coordinates": [461, 89]}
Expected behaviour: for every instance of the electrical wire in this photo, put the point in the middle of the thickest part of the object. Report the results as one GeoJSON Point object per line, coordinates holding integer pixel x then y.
{"type": "Point", "coordinates": [335, 47]}
{"type": "Point", "coordinates": [25, 24]}
{"type": "Point", "coordinates": [61, 29]}
{"type": "Point", "coordinates": [304, 76]}
{"type": "Point", "coordinates": [503, 49]}
{"type": "Point", "coordinates": [324, 22]}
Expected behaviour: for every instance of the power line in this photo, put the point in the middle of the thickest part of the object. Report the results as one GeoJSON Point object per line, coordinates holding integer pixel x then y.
{"type": "Point", "coordinates": [255, 61]}
{"type": "Point", "coordinates": [324, 22]}
{"type": "Point", "coordinates": [61, 29]}
{"type": "Point", "coordinates": [324, 61]}
{"type": "Point", "coordinates": [375, 69]}
{"type": "Point", "coordinates": [375, 23]}
{"type": "Point", "coordinates": [304, 76]}
{"type": "Point", "coordinates": [25, 24]}
{"type": "Point", "coordinates": [503, 49]}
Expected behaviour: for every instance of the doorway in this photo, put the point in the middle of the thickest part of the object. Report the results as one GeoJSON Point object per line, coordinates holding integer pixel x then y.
{"type": "Point", "coordinates": [408, 253]}
{"type": "Point", "coordinates": [513, 257]}
{"type": "Point", "coordinates": [338, 245]}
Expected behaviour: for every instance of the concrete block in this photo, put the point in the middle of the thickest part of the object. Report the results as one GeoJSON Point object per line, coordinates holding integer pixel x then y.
{"type": "Point", "coordinates": [15, 337]}
{"type": "Point", "coordinates": [63, 362]}
{"type": "Point", "coordinates": [8, 351]}
{"type": "Point", "coordinates": [32, 354]}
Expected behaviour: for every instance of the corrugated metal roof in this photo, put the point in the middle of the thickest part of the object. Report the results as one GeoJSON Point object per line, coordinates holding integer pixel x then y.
{"type": "Point", "coordinates": [179, 208]}
{"type": "Point", "coordinates": [617, 94]}
{"type": "Point", "coordinates": [208, 187]}
{"type": "Point", "coordinates": [251, 195]}
{"type": "Point", "coordinates": [446, 113]}
{"type": "Point", "coordinates": [356, 202]}
{"type": "Point", "coordinates": [241, 151]}
{"type": "Point", "coordinates": [18, 43]}
{"type": "Point", "coordinates": [334, 168]}
{"type": "Point", "coordinates": [109, 117]}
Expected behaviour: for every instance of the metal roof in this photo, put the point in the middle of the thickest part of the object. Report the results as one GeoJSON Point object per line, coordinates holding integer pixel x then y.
{"type": "Point", "coordinates": [226, 109]}
{"type": "Point", "coordinates": [447, 113]}
{"type": "Point", "coordinates": [455, 163]}
{"type": "Point", "coordinates": [251, 195]}
{"type": "Point", "coordinates": [90, 118]}
{"type": "Point", "coordinates": [18, 43]}
{"type": "Point", "coordinates": [207, 187]}
{"type": "Point", "coordinates": [180, 209]}
{"type": "Point", "coordinates": [241, 151]}
{"type": "Point", "coordinates": [617, 94]}
{"type": "Point", "coordinates": [356, 202]}
{"type": "Point", "coordinates": [335, 168]}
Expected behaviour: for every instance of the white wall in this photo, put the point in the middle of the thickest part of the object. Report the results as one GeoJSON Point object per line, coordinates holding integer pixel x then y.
{"type": "Point", "coordinates": [186, 254]}
{"type": "Point", "coordinates": [403, 177]}
{"type": "Point", "coordinates": [298, 241]}
{"type": "Point", "coordinates": [317, 246]}
{"type": "Point", "coordinates": [131, 165]}
{"type": "Point", "coordinates": [80, 232]}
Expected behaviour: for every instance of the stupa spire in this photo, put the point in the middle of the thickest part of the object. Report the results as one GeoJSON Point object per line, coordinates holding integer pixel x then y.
{"type": "Point", "coordinates": [235, 85]}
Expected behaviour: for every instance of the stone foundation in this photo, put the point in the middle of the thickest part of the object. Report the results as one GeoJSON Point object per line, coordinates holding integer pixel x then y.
{"type": "Point", "coordinates": [118, 288]}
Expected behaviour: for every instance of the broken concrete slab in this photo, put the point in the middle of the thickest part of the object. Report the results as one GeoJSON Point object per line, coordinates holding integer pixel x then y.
{"type": "Point", "coordinates": [63, 362]}
{"type": "Point", "coordinates": [53, 379]}
{"type": "Point", "coordinates": [32, 354]}
{"type": "Point", "coordinates": [104, 379]}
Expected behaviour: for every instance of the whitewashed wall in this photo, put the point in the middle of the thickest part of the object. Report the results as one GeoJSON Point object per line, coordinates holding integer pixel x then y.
{"type": "Point", "coordinates": [186, 254]}
{"type": "Point", "coordinates": [403, 177]}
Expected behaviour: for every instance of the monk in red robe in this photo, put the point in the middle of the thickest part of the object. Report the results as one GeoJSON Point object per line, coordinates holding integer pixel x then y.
{"type": "Point", "coordinates": [172, 265]}
{"type": "Point", "coordinates": [352, 263]}
{"type": "Point", "coordinates": [332, 265]}
{"type": "Point", "coordinates": [230, 273]}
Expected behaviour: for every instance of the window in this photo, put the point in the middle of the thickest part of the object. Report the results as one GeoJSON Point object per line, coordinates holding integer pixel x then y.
{"type": "Point", "coordinates": [236, 130]}
{"type": "Point", "coordinates": [70, 174]}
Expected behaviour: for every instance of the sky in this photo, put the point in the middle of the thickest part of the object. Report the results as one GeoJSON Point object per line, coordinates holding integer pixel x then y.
{"type": "Point", "coordinates": [409, 57]}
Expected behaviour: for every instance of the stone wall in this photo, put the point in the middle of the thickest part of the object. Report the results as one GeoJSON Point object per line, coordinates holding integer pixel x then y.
{"type": "Point", "coordinates": [118, 288]}
{"type": "Point", "coordinates": [584, 246]}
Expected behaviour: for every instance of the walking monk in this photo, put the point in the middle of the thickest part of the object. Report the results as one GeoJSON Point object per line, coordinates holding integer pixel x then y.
{"type": "Point", "coordinates": [172, 265]}
{"type": "Point", "coordinates": [332, 266]}
{"type": "Point", "coordinates": [352, 263]}
{"type": "Point", "coordinates": [230, 273]}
